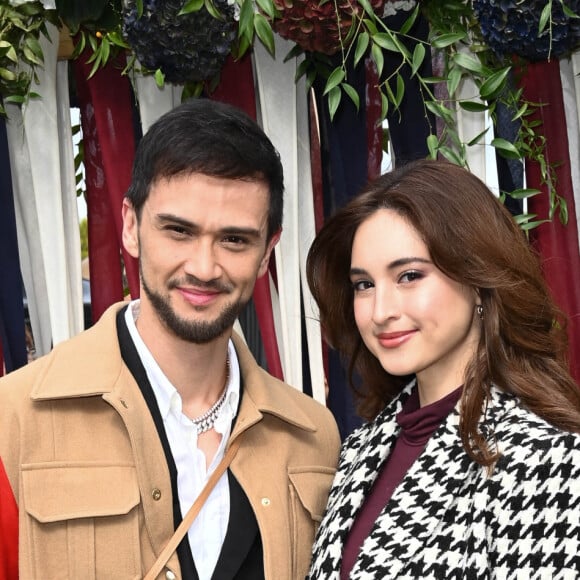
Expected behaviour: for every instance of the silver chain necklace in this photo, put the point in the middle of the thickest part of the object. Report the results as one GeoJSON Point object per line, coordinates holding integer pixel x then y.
{"type": "Point", "coordinates": [206, 421]}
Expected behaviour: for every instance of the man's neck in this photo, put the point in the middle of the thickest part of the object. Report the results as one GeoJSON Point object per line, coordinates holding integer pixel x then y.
{"type": "Point", "coordinates": [197, 371]}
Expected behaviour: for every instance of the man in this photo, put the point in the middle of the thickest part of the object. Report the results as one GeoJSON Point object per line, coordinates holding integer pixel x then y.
{"type": "Point", "coordinates": [108, 440]}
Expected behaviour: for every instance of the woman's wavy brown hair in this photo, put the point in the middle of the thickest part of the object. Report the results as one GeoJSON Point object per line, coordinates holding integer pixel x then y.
{"type": "Point", "coordinates": [472, 239]}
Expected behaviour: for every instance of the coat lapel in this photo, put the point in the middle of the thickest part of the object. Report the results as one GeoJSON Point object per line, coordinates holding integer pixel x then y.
{"type": "Point", "coordinates": [362, 457]}
{"type": "Point", "coordinates": [419, 527]}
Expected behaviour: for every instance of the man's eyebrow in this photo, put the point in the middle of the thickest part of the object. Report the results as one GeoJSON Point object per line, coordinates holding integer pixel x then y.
{"type": "Point", "coordinates": [228, 230]}
{"type": "Point", "coordinates": [168, 217]}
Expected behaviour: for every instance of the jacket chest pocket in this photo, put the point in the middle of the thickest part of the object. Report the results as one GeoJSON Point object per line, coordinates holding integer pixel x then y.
{"type": "Point", "coordinates": [309, 487]}
{"type": "Point", "coordinates": [83, 521]}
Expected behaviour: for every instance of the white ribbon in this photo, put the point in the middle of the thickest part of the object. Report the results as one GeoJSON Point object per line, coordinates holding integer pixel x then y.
{"type": "Point", "coordinates": [569, 71]}
{"type": "Point", "coordinates": [40, 143]}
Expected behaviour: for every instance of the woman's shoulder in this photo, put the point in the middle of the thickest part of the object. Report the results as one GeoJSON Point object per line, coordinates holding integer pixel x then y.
{"type": "Point", "coordinates": [526, 440]}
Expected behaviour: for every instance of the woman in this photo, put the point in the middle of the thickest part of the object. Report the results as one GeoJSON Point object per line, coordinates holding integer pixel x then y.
{"type": "Point", "coordinates": [470, 464]}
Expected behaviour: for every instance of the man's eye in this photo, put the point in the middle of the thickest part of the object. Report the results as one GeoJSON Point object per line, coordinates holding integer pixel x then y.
{"type": "Point", "coordinates": [235, 240]}
{"type": "Point", "coordinates": [177, 230]}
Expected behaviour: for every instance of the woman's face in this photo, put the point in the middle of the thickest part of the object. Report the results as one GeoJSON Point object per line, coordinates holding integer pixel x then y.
{"type": "Point", "coordinates": [410, 315]}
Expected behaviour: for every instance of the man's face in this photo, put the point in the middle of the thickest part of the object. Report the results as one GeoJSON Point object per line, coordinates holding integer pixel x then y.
{"type": "Point", "coordinates": [201, 244]}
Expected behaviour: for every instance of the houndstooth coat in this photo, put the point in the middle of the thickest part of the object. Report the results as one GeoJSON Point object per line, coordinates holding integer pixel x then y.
{"type": "Point", "coordinates": [447, 518]}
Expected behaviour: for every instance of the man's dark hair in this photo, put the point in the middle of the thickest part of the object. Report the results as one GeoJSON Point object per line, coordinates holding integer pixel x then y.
{"type": "Point", "coordinates": [210, 138]}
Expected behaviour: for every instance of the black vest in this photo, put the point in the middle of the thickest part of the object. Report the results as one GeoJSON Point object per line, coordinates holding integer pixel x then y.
{"type": "Point", "coordinates": [241, 556]}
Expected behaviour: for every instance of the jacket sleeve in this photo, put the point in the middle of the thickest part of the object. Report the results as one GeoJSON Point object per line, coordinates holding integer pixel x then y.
{"type": "Point", "coordinates": [534, 524]}
{"type": "Point", "coordinates": [8, 529]}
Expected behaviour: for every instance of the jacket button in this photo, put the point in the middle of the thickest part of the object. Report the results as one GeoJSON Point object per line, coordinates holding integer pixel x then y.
{"type": "Point", "coordinates": [170, 575]}
{"type": "Point", "coordinates": [266, 501]}
{"type": "Point", "coordinates": [156, 495]}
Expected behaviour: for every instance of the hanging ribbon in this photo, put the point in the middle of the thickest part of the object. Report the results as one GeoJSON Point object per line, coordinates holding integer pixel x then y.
{"type": "Point", "coordinates": [236, 87]}
{"type": "Point", "coordinates": [42, 167]}
{"type": "Point", "coordinates": [277, 90]}
{"type": "Point", "coordinates": [108, 132]}
{"type": "Point", "coordinates": [557, 243]}
{"type": "Point", "coordinates": [12, 335]}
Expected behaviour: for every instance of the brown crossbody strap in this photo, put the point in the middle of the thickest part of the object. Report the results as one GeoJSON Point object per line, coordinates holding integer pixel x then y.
{"type": "Point", "coordinates": [193, 511]}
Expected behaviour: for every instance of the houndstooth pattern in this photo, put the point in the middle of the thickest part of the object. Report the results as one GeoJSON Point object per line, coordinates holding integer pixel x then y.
{"type": "Point", "coordinates": [447, 518]}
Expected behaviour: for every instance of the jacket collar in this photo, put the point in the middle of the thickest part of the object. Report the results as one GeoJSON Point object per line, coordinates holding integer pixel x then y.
{"type": "Point", "coordinates": [90, 365]}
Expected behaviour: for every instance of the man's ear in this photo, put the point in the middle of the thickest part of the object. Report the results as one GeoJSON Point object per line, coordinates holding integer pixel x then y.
{"type": "Point", "coordinates": [130, 229]}
{"type": "Point", "coordinates": [269, 249]}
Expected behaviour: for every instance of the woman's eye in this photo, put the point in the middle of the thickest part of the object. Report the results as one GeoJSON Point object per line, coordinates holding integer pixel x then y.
{"type": "Point", "coordinates": [361, 285]}
{"type": "Point", "coordinates": [410, 276]}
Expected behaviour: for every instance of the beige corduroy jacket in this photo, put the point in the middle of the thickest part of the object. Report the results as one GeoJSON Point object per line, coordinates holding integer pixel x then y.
{"type": "Point", "coordinates": [91, 479]}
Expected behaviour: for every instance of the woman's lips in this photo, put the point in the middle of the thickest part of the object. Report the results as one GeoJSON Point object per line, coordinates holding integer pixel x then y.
{"type": "Point", "coordinates": [395, 339]}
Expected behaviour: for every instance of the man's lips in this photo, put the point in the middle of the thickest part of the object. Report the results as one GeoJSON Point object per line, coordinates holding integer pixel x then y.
{"type": "Point", "coordinates": [198, 296]}
{"type": "Point", "coordinates": [395, 339]}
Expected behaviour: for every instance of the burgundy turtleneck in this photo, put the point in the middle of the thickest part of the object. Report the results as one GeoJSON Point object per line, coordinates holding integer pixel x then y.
{"type": "Point", "coordinates": [417, 425]}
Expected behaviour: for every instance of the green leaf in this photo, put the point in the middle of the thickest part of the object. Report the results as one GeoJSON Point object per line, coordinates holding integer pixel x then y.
{"type": "Point", "coordinates": [18, 99]}
{"type": "Point", "coordinates": [301, 70]}
{"type": "Point", "coordinates": [531, 225]}
{"type": "Point", "coordinates": [450, 155]}
{"type": "Point", "coordinates": [362, 44]}
{"type": "Point", "coordinates": [385, 41]}
{"type": "Point", "coordinates": [453, 80]}
{"type": "Point", "coordinates": [351, 92]}
{"type": "Point", "coordinates": [367, 8]}
{"type": "Point", "coordinates": [384, 106]}
{"type": "Point", "coordinates": [264, 32]}
{"type": "Point", "coordinates": [378, 58]}
{"type": "Point", "coordinates": [96, 64]}
{"type": "Point", "coordinates": [335, 78]}
{"type": "Point", "coordinates": [159, 78]}
{"type": "Point", "coordinates": [568, 12]}
{"type": "Point", "coordinates": [7, 50]}
{"type": "Point", "coordinates": [191, 6]}
{"type": "Point", "coordinates": [30, 56]}
{"type": "Point", "coordinates": [563, 211]}
{"type": "Point", "coordinates": [267, 6]}
{"type": "Point", "coordinates": [544, 17]}
{"type": "Point", "coordinates": [139, 4]}
{"type": "Point", "coordinates": [418, 57]}
{"type": "Point", "coordinates": [524, 193]}
{"type": "Point", "coordinates": [408, 24]}
{"type": "Point", "coordinates": [211, 8]}
{"type": "Point", "coordinates": [32, 43]}
{"type": "Point", "coordinates": [432, 145]}
{"type": "Point", "coordinates": [400, 90]}
{"type": "Point", "coordinates": [246, 17]}
{"type": "Point", "coordinates": [370, 26]}
{"type": "Point", "coordinates": [494, 84]}
{"type": "Point", "coordinates": [294, 52]}
{"type": "Point", "coordinates": [524, 217]}
{"type": "Point", "coordinates": [444, 40]}
{"type": "Point", "coordinates": [105, 49]}
{"type": "Point", "coordinates": [468, 62]}
{"type": "Point", "coordinates": [440, 110]}
{"type": "Point", "coordinates": [334, 97]}
{"type": "Point", "coordinates": [521, 112]}
{"type": "Point", "coordinates": [477, 138]}
{"type": "Point", "coordinates": [506, 149]}
{"type": "Point", "coordinates": [473, 106]}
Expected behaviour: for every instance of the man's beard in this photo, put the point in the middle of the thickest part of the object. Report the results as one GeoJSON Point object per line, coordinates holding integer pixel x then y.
{"type": "Point", "coordinates": [188, 330]}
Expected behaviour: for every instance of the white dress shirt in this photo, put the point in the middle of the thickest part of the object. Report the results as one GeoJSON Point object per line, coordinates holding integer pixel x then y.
{"type": "Point", "coordinates": [208, 531]}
